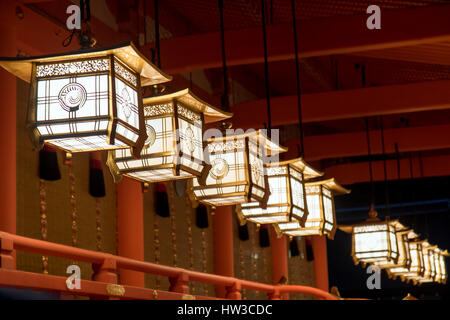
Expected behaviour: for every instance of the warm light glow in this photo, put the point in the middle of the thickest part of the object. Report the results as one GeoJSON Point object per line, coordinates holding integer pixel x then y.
{"type": "Point", "coordinates": [237, 174]}
{"type": "Point", "coordinates": [287, 194]}
{"type": "Point", "coordinates": [321, 218]}
{"type": "Point", "coordinates": [174, 147]}
{"type": "Point", "coordinates": [87, 100]}
{"type": "Point", "coordinates": [374, 241]}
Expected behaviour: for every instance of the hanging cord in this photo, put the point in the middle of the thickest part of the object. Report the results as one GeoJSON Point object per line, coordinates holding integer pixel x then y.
{"type": "Point", "coordinates": [301, 151]}
{"type": "Point", "coordinates": [266, 68]}
{"type": "Point", "coordinates": [225, 100]}
{"type": "Point", "coordinates": [386, 184]}
{"type": "Point", "coordinates": [157, 35]}
{"type": "Point", "coordinates": [372, 186]}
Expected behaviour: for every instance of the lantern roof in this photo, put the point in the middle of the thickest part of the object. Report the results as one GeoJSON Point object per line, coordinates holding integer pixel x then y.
{"type": "Point", "coordinates": [212, 114]}
{"type": "Point", "coordinates": [308, 171]}
{"type": "Point", "coordinates": [127, 52]}
{"type": "Point", "coordinates": [330, 184]}
{"type": "Point", "coordinates": [257, 135]}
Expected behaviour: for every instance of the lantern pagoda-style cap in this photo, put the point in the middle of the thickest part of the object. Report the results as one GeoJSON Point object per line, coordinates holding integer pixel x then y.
{"type": "Point", "coordinates": [374, 240]}
{"type": "Point", "coordinates": [287, 194]}
{"type": "Point", "coordinates": [321, 218]}
{"type": "Point", "coordinates": [174, 146]}
{"type": "Point", "coordinates": [89, 99]}
{"type": "Point", "coordinates": [237, 172]}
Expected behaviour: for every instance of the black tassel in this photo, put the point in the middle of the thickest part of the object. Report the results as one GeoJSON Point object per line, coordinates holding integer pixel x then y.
{"type": "Point", "coordinates": [243, 232]}
{"type": "Point", "coordinates": [96, 179]}
{"type": "Point", "coordinates": [201, 216]}
{"type": "Point", "coordinates": [161, 200]}
{"type": "Point", "coordinates": [48, 164]}
{"type": "Point", "coordinates": [264, 240]}
{"type": "Point", "coordinates": [309, 250]}
{"type": "Point", "coordinates": [293, 247]}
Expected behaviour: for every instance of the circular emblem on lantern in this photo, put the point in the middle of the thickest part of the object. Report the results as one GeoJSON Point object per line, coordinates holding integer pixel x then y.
{"type": "Point", "coordinates": [72, 96]}
{"type": "Point", "coordinates": [219, 168]}
{"type": "Point", "coordinates": [151, 136]}
{"type": "Point", "coordinates": [126, 103]}
{"type": "Point", "coordinates": [256, 170]}
{"type": "Point", "coordinates": [189, 139]}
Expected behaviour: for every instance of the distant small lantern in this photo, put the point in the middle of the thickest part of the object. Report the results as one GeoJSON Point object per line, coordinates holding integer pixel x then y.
{"type": "Point", "coordinates": [237, 172]}
{"type": "Point", "coordinates": [374, 240]}
{"type": "Point", "coordinates": [287, 194]}
{"type": "Point", "coordinates": [441, 276]}
{"type": "Point", "coordinates": [417, 267]}
{"type": "Point", "coordinates": [321, 218]}
{"type": "Point", "coordinates": [174, 145]}
{"type": "Point", "coordinates": [404, 260]}
{"type": "Point", "coordinates": [429, 264]}
{"type": "Point", "coordinates": [87, 100]}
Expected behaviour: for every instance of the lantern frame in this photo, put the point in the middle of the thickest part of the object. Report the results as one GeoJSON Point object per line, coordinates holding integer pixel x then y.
{"type": "Point", "coordinates": [323, 189]}
{"type": "Point", "coordinates": [175, 148]}
{"type": "Point", "coordinates": [283, 175]}
{"type": "Point", "coordinates": [92, 83]}
{"type": "Point", "coordinates": [242, 156]}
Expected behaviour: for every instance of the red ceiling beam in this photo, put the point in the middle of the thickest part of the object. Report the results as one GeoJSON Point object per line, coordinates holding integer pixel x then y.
{"type": "Point", "coordinates": [433, 166]}
{"type": "Point", "coordinates": [329, 146]}
{"type": "Point", "coordinates": [355, 103]}
{"type": "Point", "coordinates": [316, 37]}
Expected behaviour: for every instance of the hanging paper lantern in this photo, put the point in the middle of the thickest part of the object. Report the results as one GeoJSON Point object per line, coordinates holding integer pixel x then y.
{"type": "Point", "coordinates": [416, 268]}
{"type": "Point", "coordinates": [429, 264]}
{"type": "Point", "coordinates": [293, 247]}
{"type": "Point", "coordinates": [174, 145]}
{"type": "Point", "coordinates": [287, 198]}
{"type": "Point", "coordinates": [96, 179]}
{"type": "Point", "coordinates": [161, 200]}
{"type": "Point", "coordinates": [264, 239]}
{"type": "Point", "coordinates": [237, 174]}
{"type": "Point", "coordinates": [48, 164]}
{"type": "Point", "coordinates": [87, 100]}
{"type": "Point", "coordinates": [442, 266]}
{"type": "Point", "coordinates": [321, 218]}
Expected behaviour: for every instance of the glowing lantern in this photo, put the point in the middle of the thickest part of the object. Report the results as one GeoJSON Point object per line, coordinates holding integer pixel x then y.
{"type": "Point", "coordinates": [321, 218]}
{"type": "Point", "coordinates": [87, 100]}
{"type": "Point", "coordinates": [237, 174]}
{"type": "Point", "coordinates": [417, 267]}
{"type": "Point", "coordinates": [287, 194]}
{"type": "Point", "coordinates": [441, 276]}
{"type": "Point", "coordinates": [404, 260]}
{"type": "Point", "coordinates": [174, 146]}
{"type": "Point", "coordinates": [429, 264]}
{"type": "Point", "coordinates": [374, 240]}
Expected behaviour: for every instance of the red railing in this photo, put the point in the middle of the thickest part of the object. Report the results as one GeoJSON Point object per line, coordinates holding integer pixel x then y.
{"type": "Point", "coordinates": [104, 284]}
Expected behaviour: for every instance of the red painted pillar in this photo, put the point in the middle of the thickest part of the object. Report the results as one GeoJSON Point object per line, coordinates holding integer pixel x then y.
{"type": "Point", "coordinates": [223, 245]}
{"type": "Point", "coordinates": [319, 244]}
{"type": "Point", "coordinates": [8, 120]}
{"type": "Point", "coordinates": [130, 228]}
{"type": "Point", "coordinates": [279, 259]}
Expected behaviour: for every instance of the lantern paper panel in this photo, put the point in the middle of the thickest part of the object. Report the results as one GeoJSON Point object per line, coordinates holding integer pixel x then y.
{"type": "Point", "coordinates": [374, 241]}
{"type": "Point", "coordinates": [321, 218]}
{"type": "Point", "coordinates": [237, 172]}
{"type": "Point", "coordinates": [87, 100]}
{"type": "Point", "coordinates": [403, 235]}
{"type": "Point", "coordinates": [287, 194]}
{"type": "Point", "coordinates": [174, 146]}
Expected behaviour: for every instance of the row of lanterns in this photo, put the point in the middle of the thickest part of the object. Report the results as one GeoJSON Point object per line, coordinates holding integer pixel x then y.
{"type": "Point", "coordinates": [91, 100]}
{"type": "Point", "coordinates": [391, 246]}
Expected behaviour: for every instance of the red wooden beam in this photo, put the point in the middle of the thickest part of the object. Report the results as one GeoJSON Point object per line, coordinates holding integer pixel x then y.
{"type": "Point", "coordinates": [316, 37]}
{"type": "Point", "coordinates": [355, 103]}
{"type": "Point", "coordinates": [432, 166]}
{"type": "Point", "coordinates": [329, 146]}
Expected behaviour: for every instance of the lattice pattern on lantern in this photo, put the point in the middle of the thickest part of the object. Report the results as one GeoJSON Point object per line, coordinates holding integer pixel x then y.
{"type": "Point", "coordinates": [174, 145]}
{"type": "Point", "coordinates": [87, 100]}
{"type": "Point", "coordinates": [237, 172]}
{"type": "Point", "coordinates": [375, 241]}
{"type": "Point", "coordinates": [404, 260]}
{"type": "Point", "coordinates": [287, 194]}
{"type": "Point", "coordinates": [321, 218]}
